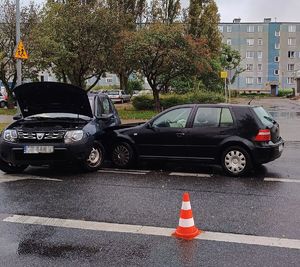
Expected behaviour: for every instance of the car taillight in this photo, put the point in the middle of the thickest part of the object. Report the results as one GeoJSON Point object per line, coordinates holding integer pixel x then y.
{"type": "Point", "coordinates": [263, 136]}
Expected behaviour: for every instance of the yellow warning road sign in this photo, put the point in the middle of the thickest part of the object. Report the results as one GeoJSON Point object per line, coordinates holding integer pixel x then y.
{"type": "Point", "coordinates": [21, 52]}
{"type": "Point", "coordinates": [223, 74]}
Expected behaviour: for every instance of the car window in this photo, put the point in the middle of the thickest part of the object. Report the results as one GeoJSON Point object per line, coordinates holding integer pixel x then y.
{"type": "Point", "coordinates": [122, 92]}
{"type": "Point", "coordinates": [176, 118]}
{"type": "Point", "coordinates": [226, 118]}
{"type": "Point", "coordinates": [98, 110]}
{"type": "Point", "coordinates": [106, 106]}
{"type": "Point", "coordinates": [207, 117]}
{"type": "Point", "coordinates": [265, 117]}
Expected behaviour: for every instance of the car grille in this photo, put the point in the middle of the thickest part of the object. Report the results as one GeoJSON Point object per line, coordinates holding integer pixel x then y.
{"type": "Point", "coordinates": [41, 136]}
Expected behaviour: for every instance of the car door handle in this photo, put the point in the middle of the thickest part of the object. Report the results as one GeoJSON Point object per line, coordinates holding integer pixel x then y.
{"type": "Point", "coordinates": [180, 134]}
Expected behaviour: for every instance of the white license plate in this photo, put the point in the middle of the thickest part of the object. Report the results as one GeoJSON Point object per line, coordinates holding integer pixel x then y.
{"type": "Point", "coordinates": [280, 148]}
{"type": "Point", "coordinates": [38, 149]}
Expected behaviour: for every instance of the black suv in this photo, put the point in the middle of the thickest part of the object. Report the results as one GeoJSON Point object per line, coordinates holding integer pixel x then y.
{"type": "Point", "coordinates": [238, 137]}
{"type": "Point", "coordinates": [60, 123]}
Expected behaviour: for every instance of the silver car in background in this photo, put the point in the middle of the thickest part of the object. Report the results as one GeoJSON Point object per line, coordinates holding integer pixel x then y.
{"type": "Point", "coordinates": [118, 96]}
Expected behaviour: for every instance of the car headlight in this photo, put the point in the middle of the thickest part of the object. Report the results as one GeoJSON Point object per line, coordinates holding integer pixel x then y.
{"type": "Point", "coordinates": [10, 135]}
{"type": "Point", "coordinates": [73, 136]}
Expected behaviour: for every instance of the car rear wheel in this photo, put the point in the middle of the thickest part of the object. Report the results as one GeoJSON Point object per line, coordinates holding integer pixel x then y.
{"type": "Point", "coordinates": [122, 155]}
{"type": "Point", "coordinates": [95, 159]}
{"type": "Point", "coordinates": [236, 161]}
{"type": "Point", "coordinates": [10, 168]}
{"type": "Point", "coordinates": [2, 104]}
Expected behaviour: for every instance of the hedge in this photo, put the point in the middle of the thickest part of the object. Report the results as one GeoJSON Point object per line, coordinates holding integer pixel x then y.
{"type": "Point", "coordinates": [146, 102]}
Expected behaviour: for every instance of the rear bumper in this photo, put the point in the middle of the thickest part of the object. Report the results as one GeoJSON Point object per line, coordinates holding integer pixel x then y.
{"type": "Point", "coordinates": [267, 153]}
{"type": "Point", "coordinates": [14, 153]}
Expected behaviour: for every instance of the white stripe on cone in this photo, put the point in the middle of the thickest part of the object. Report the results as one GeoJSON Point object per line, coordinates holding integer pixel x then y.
{"type": "Point", "coordinates": [186, 222]}
{"type": "Point", "coordinates": [186, 205]}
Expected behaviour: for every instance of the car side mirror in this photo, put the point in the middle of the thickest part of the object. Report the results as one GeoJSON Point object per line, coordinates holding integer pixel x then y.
{"type": "Point", "coordinates": [149, 126]}
{"type": "Point", "coordinates": [17, 117]}
{"type": "Point", "coordinates": [106, 117]}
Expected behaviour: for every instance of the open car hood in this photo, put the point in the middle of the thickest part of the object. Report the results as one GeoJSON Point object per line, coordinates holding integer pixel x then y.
{"type": "Point", "coordinates": [49, 97]}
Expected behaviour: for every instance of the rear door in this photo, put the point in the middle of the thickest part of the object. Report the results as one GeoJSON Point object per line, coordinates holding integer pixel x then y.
{"type": "Point", "coordinates": [211, 125]}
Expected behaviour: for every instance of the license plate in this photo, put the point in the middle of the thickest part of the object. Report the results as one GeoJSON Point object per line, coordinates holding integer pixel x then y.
{"type": "Point", "coordinates": [280, 148]}
{"type": "Point", "coordinates": [38, 149]}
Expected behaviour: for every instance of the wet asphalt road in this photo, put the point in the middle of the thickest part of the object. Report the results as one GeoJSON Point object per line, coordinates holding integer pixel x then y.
{"type": "Point", "coordinates": [248, 205]}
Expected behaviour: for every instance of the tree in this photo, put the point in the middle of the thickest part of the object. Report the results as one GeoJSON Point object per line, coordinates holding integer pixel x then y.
{"type": "Point", "coordinates": [75, 40]}
{"type": "Point", "coordinates": [165, 11]}
{"type": "Point", "coordinates": [162, 52]}
{"type": "Point", "coordinates": [8, 73]}
{"type": "Point", "coordinates": [203, 20]}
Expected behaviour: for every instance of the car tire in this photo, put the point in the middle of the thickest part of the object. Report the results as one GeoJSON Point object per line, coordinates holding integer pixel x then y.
{"type": "Point", "coordinates": [236, 161]}
{"type": "Point", "coordinates": [9, 168]}
{"type": "Point", "coordinates": [2, 104]}
{"type": "Point", "coordinates": [122, 155]}
{"type": "Point", "coordinates": [95, 159]}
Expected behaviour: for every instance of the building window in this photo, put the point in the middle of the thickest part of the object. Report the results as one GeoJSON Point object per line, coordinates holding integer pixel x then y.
{"type": "Point", "coordinates": [292, 28]}
{"type": "Point", "coordinates": [290, 80]}
{"type": "Point", "coordinates": [277, 33]}
{"type": "Point", "coordinates": [249, 54]}
{"type": "Point", "coordinates": [228, 41]}
{"type": "Point", "coordinates": [277, 46]}
{"type": "Point", "coordinates": [249, 67]}
{"type": "Point", "coordinates": [276, 59]}
{"type": "Point", "coordinates": [220, 28]}
{"type": "Point", "coordinates": [260, 41]}
{"type": "Point", "coordinates": [291, 67]}
{"type": "Point", "coordinates": [249, 80]}
{"type": "Point", "coordinates": [276, 72]}
{"type": "Point", "coordinates": [292, 41]}
{"type": "Point", "coordinates": [259, 80]}
{"type": "Point", "coordinates": [291, 54]}
{"type": "Point", "coordinates": [260, 28]}
{"type": "Point", "coordinates": [229, 29]}
{"type": "Point", "coordinates": [250, 42]}
{"type": "Point", "coordinates": [250, 28]}
{"type": "Point", "coordinates": [259, 67]}
{"type": "Point", "coordinates": [259, 54]}
{"type": "Point", "coordinates": [109, 80]}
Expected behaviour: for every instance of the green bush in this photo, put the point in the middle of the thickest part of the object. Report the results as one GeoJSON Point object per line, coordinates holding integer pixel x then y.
{"type": "Point", "coordinates": [285, 92]}
{"type": "Point", "coordinates": [134, 85]}
{"type": "Point", "coordinates": [146, 102]}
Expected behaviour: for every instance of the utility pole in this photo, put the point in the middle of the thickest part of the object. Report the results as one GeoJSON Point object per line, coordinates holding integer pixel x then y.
{"type": "Point", "coordinates": [18, 33]}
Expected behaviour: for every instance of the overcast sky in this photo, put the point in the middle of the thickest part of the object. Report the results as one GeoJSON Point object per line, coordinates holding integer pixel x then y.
{"type": "Point", "coordinates": [250, 10]}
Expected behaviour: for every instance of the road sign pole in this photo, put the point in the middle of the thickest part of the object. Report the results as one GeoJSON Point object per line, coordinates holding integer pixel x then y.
{"type": "Point", "coordinates": [225, 85]}
{"type": "Point", "coordinates": [18, 33]}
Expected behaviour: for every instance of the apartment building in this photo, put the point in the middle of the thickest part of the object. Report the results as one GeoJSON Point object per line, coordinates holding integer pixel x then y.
{"type": "Point", "coordinates": [270, 52]}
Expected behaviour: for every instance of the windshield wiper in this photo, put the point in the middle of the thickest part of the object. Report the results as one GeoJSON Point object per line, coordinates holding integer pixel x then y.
{"type": "Point", "coordinates": [270, 119]}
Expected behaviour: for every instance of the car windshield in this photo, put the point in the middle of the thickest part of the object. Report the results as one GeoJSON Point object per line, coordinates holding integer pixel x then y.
{"type": "Point", "coordinates": [265, 117]}
{"type": "Point", "coordinates": [113, 93]}
{"type": "Point", "coordinates": [58, 116]}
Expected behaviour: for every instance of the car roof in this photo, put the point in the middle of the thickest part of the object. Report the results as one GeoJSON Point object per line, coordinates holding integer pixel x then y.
{"type": "Point", "coordinates": [214, 105]}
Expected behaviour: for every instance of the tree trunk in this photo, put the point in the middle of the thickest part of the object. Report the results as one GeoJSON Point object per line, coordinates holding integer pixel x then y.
{"type": "Point", "coordinates": [123, 81]}
{"type": "Point", "coordinates": [156, 99]}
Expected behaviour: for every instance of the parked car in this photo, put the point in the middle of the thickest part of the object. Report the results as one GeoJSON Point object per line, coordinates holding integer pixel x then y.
{"type": "Point", "coordinates": [59, 124]}
{"type": "Point", "coordinates": [118, 96]}
{"type": "Point", "coordinates": [3, 100]}
{"type": "Point", "coordinates": [238, 137]}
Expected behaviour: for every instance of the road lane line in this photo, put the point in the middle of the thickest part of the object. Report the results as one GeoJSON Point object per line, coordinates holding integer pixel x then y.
{"type": "Point", "coordinates": [282, 180]}
{"type": "Point", "coordinates": [190, 174]}
{"type": "Point", "coordinates": [151, 230]}
{"type": "Point", "coordinates": [13, 179]}
{"type": "Point", "coordinates": [129, 170]}
{"type": "Point", "coordinates": [122, 172]}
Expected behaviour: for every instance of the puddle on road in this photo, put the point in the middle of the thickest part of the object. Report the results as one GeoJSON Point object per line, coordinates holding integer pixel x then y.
{"type": "Point", "coordinates": [285, 115]}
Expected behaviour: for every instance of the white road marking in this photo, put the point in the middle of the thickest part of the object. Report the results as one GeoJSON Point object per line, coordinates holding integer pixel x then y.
{"type": "Point", "coordinates": [156, 231]}
{"type": "Point", "coordinates": [123, 172]}
{"type": "Point", "coordinates": [283, 180]}
{"type": "Point", "coordinates": [13, 179]}
{"type": "Point", "coordinates": [129, 170]}
{"type": "Point", "coordinates": [190, 174]}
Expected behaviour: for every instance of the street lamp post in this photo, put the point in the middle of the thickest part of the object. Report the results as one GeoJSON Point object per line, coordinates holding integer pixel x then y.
{"type": "Point", "coordinates": [18, 33]}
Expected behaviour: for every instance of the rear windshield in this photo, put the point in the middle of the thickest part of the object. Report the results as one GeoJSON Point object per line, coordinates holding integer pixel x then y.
{"type": "Point", "coordinates": [264, 116]}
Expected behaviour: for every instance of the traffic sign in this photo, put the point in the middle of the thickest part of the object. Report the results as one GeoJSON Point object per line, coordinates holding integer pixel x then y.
{"type": "Point", "coordinates": [223, 74]}
{"type": "Point", "coordinates": [21, 52]}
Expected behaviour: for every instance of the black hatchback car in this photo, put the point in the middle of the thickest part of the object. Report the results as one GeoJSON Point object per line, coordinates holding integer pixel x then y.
{"type": "Point", "coordinates": [60, 123]}
{"type": "Point", "coordinates": [238, 137]}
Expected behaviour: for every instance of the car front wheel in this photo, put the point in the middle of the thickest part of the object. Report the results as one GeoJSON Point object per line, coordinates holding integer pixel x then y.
{"type": "Point", "coordinates": [236, 161]}
{"type": "Point", "coordinates": [122, 155]}
{"type": "Point", "coordinates": [10, 168]}
{"type": "Point", "coordinates": [95, 159]}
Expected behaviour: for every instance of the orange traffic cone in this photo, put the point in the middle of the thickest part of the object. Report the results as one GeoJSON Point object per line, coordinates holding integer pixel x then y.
{"type": "Point", "coordinates": [186, 228]}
